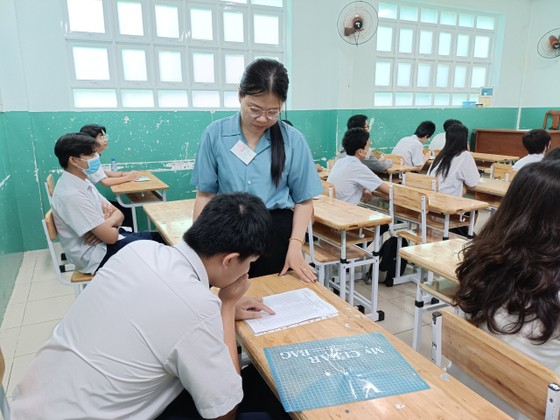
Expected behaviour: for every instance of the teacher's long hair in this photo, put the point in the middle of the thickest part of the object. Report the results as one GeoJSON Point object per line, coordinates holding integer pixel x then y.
{"type": "Point", "coordinates": [269, 76]}
{"type": "Point", "coordinates": [513, 264]}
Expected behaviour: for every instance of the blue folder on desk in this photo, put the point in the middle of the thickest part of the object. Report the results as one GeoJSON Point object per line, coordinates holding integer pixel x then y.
{"type": "Point", "coordinates": [335, 371]}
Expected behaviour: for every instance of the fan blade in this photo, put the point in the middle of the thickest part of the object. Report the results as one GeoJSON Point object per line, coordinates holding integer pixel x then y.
{"type": "Point", "coordinates": [349, 31]}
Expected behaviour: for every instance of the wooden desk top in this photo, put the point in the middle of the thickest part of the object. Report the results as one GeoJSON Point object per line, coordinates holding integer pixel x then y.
{"type": "Point", "coordinates": [438, 257]}
{"type": "Point", "coordinates": [172, 218]}
{"type": "Point", "coordinates": [497, 187]}
{"type": "Point", "coordinates": [447, 398]}
{"type": "Point", "coordinates": [488, 157]}
{"type": "Point", "coordinates": [154, 184]}
{"type": "Point", "coordinates": [450, 204]}
{"type": "Point", "coordinates": [397, 168]}
{"type": "Point", "coordinates": [343, 216]}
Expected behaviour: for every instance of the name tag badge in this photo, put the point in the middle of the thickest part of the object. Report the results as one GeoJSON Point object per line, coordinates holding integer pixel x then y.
{"type": "Point", "coordinates": [243, 152]}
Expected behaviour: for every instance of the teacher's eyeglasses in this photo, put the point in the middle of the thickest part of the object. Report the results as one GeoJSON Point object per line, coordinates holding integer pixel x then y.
{"type": "Point", "coordinates": [271, 114]}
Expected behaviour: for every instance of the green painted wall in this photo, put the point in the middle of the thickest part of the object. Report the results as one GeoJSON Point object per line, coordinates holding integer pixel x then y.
{"type": "Point", "coordinates": [11, 242]}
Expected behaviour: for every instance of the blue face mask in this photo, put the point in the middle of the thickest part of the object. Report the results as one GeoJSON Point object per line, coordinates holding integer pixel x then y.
{"type": "Point", "coordinates": [93, 165]}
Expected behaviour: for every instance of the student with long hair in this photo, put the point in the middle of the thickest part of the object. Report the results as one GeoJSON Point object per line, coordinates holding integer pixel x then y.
{"type": "Point", "coordinates": [252, 151]}
{"type": "Point", "coordinates": [454, 166]}
{"type": "Point", "coordinates": [510, 273]}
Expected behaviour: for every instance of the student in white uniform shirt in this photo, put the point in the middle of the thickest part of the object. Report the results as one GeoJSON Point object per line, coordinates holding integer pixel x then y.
{"type": "Point", "coordinates": [537, 142]}
{"type": "Point", "coordinates": [349, 176]}
{"type": "Point", "coordinates": [148, 331]}
{"type": "Point", "coordinates": [411, 148]}
{"type": "Point", "coordinates": [438, 141]}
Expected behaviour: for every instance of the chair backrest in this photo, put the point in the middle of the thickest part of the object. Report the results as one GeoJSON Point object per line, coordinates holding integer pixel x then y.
{"type": "Point", "coordinates": [411, 205]}
{"type": "Point", "coordinates": [4, 406]}
{"type": "Point", "coordinates": [49, 186]}
{"type": "Point", "coordinates": [502, 171]}
{"type": "Point", "coordinates": [518, 379]}
{"type": "Point", "coordinates": [328, 189]}
{"type": "Point", "coordinates": [424, 182]}
{"type": "Point", "coordinates": [555, 115]}
{"type": "Point", "coordinates": [399, 160]}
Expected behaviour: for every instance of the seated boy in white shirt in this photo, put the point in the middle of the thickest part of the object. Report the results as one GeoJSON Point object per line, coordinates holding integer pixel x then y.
{"type": "Point", "coordinates": [537, 142]}
{"type": "Point", "coordinates": [349, 176]}
{"type": "Point", "coordinates": [411, 148]}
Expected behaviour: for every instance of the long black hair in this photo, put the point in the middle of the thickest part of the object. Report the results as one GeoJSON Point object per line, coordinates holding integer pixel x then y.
{"type": "Point", "coordinates": [456, 138]}
{"type": "Point", "coordinates": [269, 76]}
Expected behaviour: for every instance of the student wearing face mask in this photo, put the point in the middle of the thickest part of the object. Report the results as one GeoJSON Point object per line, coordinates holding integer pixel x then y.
{"type": "Point", "coordinates": [88, 225]}
{"type": "Point", "coordinates": [349, 176]}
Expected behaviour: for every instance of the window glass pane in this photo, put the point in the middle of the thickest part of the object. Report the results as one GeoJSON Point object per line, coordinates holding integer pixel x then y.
{"type": "Point", "coordinates": [462, 45]}
{"type": "Point", "coordinates": [403, 99]}
{"type": "Point", "coordinates": [231, 100]}
{"type": "Point", "coordinates": [485, 22]}
{"type": "Point", "coordinates": [403, 74]}
{"type": "Point", "coordinates": [460, 77]}
{"type": "Point", "coordinates": [448, 18]}
{"type": "Point", "coordinates": [206, 99]}
{"type": "Point", "coordinates": [173, 99]}
{"type": "Point", "coordinates": [423, 99]}
{"type": "Point", "coordinates": [91, 63]}
{"type": "Point", "coordinates": [382, 73]}
{"type": "Point", "coordinates": [441, 99]}
{"type": "Point", "coordinates": [424, 74]}
{"type": "Point", "coordinates": [473, 97]}
{"type": "Point", "coordinates": [429, 15]}
{"type": "Point", "coordinates": [444, 47]}
{"type": "Point", "coordinates": [167, 21]}
{"type": "Point", "coordinates": [203, 68]}
{"type": "Point", "coordinates": [426, 40]}
{"type": "Point", "coordinates": [409, 13]}
{"type": "Point", "coordinates": [481, 46]}
{"type": "Point", "coordinates": [95, 98]}
{"type": "Point", "coordinates": [86, 16]}
{"type": "Point", "coordinates": [383, 99]}
{"type": "Point", "coordinates": [235, 65]}
{"type": "Point", "coordinates": [233, 27]}
{"type": "Point", "coordinates": [405, 40]}
{"type": "Point", "coordinates": [201, 24]}
{"type": "Point", "coordinates": [266, 29]}
{"type": "Point", "coordinates": [458, 99]}
{"type": "Point", "coordinates": [130, 18]}
{"type": "Point", "coordinates": [170, 69]}
{"type": "Point", "coordinates": [137, 98]}
{"type": "Point", "coordinates": [273, 3]}
{"type": "Point", "coordinates": [134, 65]}
{"type": "Point", "coordinates": [466, 20]}
{"type": "Point", "coordinates": [237, 1]}
{"type": "Point", "coordinates": [384, 38]}
{"type": "Point", "coordinates": [388, 11]}
{"type": "Point", "coordinates": [442, 76]}
{"type": "Point", "coordinates": [478, 78]}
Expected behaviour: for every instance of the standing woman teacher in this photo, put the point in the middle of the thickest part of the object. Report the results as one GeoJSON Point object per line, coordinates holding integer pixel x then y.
{"type": "Point", "coordinates": [254, 152]}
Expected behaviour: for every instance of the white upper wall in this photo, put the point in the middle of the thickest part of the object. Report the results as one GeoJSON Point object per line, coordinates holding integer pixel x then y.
{"type": "Point", "coordinates": [325, 71]}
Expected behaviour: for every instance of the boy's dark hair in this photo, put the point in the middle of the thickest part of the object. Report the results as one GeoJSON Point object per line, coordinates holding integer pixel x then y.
{"type": "Point", "coordinates": [356, 121]}
{"type": "Point", "coordinates": [234, 222]}
{"type": "Point", "coordinates": [553, 154]}
{"type": "Point", "coordinates": [535, 141]}
{"type": "Point", "coordinates": [425, 129]}
{"type": "Point", "coordinates": [74, 144]}
{"type": "Point", "coordinates": [449, 123]}
{"type": "Point", "coordinates": [93, 130]}
{"type": "Point", "coordinates": [354, 139]}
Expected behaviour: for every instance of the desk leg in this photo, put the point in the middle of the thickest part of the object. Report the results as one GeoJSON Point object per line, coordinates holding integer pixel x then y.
{"type": "Point", "coordinates": [133, 211]}
{"type": "Point", "coordinates": [472, 220]}
{"type": "Point", "coordinates": [342, 265]}
{"type": "Point", "coordinates": [446, 227]}
{"type": "Point", "coordinates": [376, 316]}
{"type": "Point", "coordinates": [418, 310]}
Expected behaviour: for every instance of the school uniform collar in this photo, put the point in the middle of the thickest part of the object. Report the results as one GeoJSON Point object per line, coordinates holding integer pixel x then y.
{"type": "Point", "coordinates": [194, 260]}
{"type": "Point", "coordinates": [76, 182]}
{"type": "Point", "coordinates": [232, 128]}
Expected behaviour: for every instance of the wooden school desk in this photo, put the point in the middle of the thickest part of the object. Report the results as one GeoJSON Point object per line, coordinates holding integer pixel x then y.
{"type": "Point", "coordinates": [172, 218]}
{"type": "Point", "coordinates": [440, 258]}
{"type": "Point", "coordinates": [485, 160]}
{"type": "Point", "coordinates": [490, 190]}
{"type": "Point", "coordinates": [447, 398]}
{"type": "Point", "coordinates": [342, 217]}
{"type": "Point", "coordinates": [397, 168]}
{"type": "Point", "coordinates": [139, 193]}
{"type": "Point", "coordinates": [506, 141]}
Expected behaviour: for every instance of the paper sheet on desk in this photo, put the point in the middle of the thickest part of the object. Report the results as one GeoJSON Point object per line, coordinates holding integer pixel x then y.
{"type": "Point", "coordinates": [292, 308]}
{"type": "Point", "coordinates": [142, 179]}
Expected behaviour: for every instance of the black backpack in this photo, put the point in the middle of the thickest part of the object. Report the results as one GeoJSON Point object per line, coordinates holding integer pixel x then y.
{"type": "Point", "coordinates": [388, 258]}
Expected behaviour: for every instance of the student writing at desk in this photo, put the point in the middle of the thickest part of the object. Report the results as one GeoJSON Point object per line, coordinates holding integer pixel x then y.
{"type": "Point", "coordinates": [252, 151]}
{"type": "Point", "coordinates": [510, 274]}
{"type": "Point", "coordinates": [411, 148]}
{"type": "Point", "coordinates": [88, 225]}
{"type": "Point", "coordinates": [148, 331]}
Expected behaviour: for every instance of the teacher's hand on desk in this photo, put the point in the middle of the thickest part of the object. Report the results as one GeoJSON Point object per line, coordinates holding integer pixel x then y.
{"type": "Point", "coordinates": [296, 261]}
{"type": "Point", "coordinates": [251, 307]}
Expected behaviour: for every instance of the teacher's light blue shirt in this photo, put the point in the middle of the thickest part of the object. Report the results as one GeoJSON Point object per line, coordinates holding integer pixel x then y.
{"type": "Point", "coordinates": [218, 170]}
